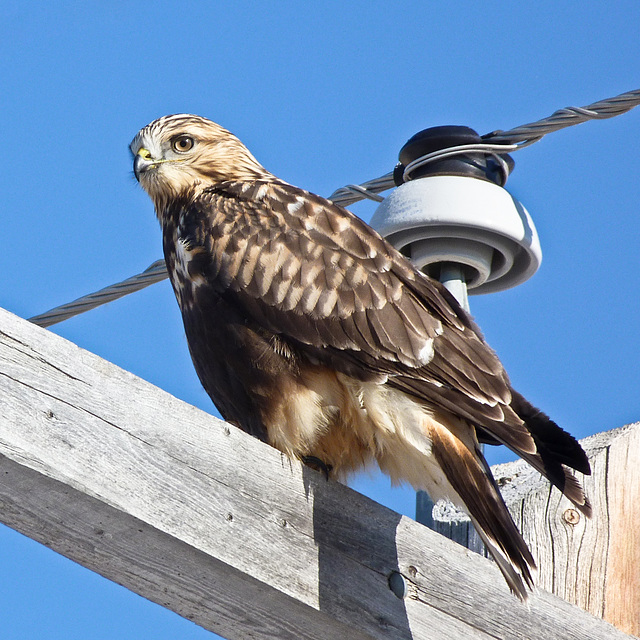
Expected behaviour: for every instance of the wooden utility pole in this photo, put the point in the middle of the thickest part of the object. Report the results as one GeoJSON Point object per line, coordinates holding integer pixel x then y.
{"type": "Point", "coordinates": [197, 516]}
{"type": "Point", "coordinates": [594, 563]}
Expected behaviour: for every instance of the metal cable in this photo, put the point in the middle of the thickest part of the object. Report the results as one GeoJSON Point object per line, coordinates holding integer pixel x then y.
{"type": "Point", "coordinates": [494, 150]}
{"type": "Point", "coordinates": [521, 136]}
{"type": "Point", "coordinates": [567, 117]}
{"type": "Point", "coordinates": [152, 274]}
{"type": "Point", "coordinates": [347, 195]}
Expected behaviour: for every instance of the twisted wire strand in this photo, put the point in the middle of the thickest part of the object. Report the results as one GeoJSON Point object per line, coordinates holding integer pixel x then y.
{"type": "Point", "coordinates": [529, 133]}
{"type": "Point", "coordinates": [152, 274]}
{"type": "Point", "coordinates": [518, 137]}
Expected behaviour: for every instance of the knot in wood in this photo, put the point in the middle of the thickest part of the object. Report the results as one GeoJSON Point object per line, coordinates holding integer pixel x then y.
{"type": "Point", "coordinates": [571, 516]}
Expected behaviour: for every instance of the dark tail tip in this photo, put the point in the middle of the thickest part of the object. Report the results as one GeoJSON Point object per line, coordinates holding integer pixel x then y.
{"type": "Point", "coordinates": [554, 444]}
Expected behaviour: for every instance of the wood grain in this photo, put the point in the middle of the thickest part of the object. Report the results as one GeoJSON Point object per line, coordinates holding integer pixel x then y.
{"type": "Point", "coordinates": [195, 515]}
{"type": "Point", "coordinates": [622, 591]}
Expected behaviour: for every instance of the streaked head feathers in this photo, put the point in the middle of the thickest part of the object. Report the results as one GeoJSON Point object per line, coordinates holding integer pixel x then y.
{"type": "Point", "coordinates": [181, 152]}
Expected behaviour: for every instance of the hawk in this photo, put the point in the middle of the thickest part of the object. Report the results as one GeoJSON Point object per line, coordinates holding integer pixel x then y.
{"type": "Point", "coordinates": [311, 332]}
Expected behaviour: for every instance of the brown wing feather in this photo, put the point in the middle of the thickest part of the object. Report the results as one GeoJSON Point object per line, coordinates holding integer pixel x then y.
{"type": "Point", "coordinates": [297, 256]}
{"type": "Point", "coordinates": [320, 263]}
{"type": "Point", "coordinates": [314, 273]}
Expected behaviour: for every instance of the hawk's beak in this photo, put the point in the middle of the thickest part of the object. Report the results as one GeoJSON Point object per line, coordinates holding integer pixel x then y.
{"type": "Point", "coordinates": [142, 162]}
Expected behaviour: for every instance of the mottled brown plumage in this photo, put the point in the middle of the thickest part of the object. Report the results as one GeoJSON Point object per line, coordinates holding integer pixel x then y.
{"type": "Point", "coordinates": [309, 331]}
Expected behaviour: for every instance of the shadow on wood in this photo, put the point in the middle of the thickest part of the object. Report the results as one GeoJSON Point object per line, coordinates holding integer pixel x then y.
{"type": "Point", "coordinates": [343, 537]}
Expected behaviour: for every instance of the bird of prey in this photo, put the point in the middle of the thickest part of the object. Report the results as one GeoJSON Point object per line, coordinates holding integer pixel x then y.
{"type": "Point", "coordinates": [311, 332]}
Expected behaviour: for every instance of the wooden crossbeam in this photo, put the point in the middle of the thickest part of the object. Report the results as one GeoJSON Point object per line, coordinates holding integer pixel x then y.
{"type": "Point", "coordinates": [195, 515]}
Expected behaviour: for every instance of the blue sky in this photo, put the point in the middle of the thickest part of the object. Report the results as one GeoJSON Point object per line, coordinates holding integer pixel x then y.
{"type": "Point", "coordinates": [324, 95]}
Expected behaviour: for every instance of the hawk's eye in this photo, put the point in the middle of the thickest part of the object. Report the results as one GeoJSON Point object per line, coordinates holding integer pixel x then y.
{"type": "Point", "coordinates": [183, 143]}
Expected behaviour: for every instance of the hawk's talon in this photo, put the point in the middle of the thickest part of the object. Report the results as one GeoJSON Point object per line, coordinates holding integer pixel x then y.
{"type": "Point", "coordinates": [318, 465]}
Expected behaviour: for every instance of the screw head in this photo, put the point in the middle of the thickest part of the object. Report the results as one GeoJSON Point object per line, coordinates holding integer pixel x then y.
{"type": "Point", "coordinates": [398, 585]}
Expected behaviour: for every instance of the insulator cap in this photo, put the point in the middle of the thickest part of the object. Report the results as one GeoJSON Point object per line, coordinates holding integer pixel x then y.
{"type": "Point", "coordinates": [450, 207]}
{"type": "Point", "coordinates": [467, 221]}
{"type": "Point", "coordinates": [473, 164]}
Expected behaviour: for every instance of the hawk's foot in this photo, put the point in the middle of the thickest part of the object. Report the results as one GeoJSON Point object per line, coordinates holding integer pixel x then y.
{"type": "Point", "coordinates": [318, 465]}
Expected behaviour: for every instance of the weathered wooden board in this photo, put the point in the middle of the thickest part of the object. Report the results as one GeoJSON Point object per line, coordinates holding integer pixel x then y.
{"type": "Point", "coordinates": [197, 516]}
{"type": "Point", "coordinates": [622, 575]}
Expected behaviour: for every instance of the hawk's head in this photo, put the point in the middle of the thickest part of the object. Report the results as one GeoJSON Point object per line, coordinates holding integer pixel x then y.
{"type": "Point", "coordinates": [185, 152]}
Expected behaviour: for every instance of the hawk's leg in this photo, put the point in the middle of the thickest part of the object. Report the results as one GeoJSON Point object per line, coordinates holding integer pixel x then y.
{"type": "Point", "coordinates": [318, 465]}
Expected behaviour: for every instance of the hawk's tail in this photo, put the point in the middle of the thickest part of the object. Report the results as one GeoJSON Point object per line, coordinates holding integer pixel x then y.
{"type": "Point", "coordinates": [475, 491]}
{"type": "Point", "coordinates": [557, 452]}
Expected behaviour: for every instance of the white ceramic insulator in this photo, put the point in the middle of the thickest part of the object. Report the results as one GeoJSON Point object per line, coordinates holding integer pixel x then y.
{"type": "Point", "coordinates": [466, 221]}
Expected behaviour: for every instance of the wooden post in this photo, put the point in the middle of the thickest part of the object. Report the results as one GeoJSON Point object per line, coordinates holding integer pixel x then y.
{"type": "Point", "coordinates": [592, 563]}
{"type": "Point", "coordinates": [191, 513]}
{"type": "Point", "coordinates": [619, 465]}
